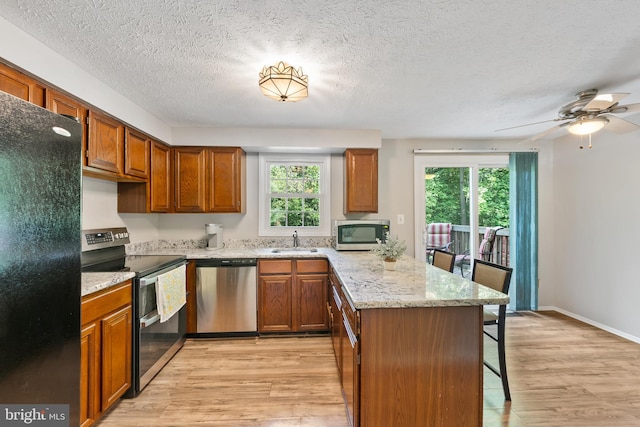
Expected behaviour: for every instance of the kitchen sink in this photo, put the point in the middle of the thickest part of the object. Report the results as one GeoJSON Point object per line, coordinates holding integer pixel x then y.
{"type": "Point", "coordinates": [293, 250]}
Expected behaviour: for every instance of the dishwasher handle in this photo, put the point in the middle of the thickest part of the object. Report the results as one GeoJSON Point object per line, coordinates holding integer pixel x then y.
{"type": "Point", "coordinates": [227, 262]}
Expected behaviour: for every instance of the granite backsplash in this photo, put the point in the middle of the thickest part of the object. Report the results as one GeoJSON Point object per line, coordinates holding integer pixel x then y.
{"type": "Point", "coordinates": [258, 243]}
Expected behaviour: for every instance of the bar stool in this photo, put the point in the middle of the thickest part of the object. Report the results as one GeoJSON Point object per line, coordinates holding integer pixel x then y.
{"type": "Point", "coordinates": [496, 277]}
{"type": "Point", "coordinates": [443, 259]}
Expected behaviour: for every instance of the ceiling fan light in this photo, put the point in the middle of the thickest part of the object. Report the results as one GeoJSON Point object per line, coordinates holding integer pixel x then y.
{"type": "Point", "coordinates": [587, 126]}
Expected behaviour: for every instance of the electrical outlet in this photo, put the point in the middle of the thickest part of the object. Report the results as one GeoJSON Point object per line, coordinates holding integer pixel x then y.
{"type": "Point", "coordinates": [400, 219]}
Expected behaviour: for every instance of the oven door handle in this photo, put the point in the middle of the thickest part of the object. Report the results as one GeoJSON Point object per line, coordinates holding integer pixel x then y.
{"type": "Point", "coordinates": [149, 319]}
{"type": "Point", "coordinates": [151, 280]}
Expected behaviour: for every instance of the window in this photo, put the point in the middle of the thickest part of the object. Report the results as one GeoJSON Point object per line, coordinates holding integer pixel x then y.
{"type": "Point", "coordinates": [294, 195]}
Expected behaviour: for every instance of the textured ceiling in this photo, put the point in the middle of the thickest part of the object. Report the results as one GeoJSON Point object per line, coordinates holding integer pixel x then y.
{"type": "Point", "coordinates": [412, 69]}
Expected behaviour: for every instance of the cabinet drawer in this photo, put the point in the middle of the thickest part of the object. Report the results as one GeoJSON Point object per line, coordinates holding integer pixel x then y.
{"type": "Point", "coordinates": [275, 266]}
{"type": "Point", "coordinates": [103, 302]}
{"type": "Point", "coordinates": [304, 266]}
{"type": "Point", "coordinates": [350, 313]}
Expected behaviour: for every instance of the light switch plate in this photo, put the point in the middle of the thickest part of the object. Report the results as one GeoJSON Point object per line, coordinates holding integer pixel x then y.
{"type": "Point", "coordinates": [400, 218]}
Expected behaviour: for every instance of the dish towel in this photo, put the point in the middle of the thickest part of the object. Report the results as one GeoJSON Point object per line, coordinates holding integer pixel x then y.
{"type": "Point", "coordinates": [171, 292]}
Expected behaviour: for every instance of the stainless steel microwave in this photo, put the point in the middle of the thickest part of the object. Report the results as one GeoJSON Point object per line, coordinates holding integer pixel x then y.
{"type": "Point", "coordinates": [358, 235]}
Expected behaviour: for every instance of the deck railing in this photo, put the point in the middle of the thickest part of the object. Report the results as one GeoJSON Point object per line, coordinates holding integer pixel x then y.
{"type": "Point", "coordinates": [460, 236]}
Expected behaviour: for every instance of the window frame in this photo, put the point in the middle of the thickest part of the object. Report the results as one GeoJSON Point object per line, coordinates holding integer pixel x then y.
{"type": "Point", "coordinates": [265, 160]}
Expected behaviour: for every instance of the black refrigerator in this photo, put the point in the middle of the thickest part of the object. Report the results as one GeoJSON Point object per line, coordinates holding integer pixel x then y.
{"type": "Point", "coordinates": [40, 224]}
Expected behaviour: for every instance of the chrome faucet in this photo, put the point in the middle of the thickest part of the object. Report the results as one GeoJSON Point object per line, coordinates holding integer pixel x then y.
{"type": "Point", "coordinates": [295, 239]}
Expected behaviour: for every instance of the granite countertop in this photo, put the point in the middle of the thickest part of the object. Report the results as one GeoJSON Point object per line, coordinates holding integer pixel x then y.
{"type": "Point", "coordinates": [367, 284]}
{"type": "Point", "coordinates": [94, 282]}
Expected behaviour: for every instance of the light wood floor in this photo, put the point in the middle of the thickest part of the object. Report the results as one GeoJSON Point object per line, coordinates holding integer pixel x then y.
{"type": "Point", "coordinates": [561, 371]}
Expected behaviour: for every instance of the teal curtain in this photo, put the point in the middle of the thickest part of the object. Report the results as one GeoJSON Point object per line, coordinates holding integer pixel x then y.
{"type": "Point", "coordinates": [523, 214]}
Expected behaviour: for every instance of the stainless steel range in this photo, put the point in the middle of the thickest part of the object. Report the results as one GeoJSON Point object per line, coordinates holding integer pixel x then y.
{"type": "Point", "coordinates": [154, 342]}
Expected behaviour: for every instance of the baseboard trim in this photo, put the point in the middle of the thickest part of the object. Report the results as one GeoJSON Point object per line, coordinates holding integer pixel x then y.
{"type": "Point", "coordinates": [592, 323]}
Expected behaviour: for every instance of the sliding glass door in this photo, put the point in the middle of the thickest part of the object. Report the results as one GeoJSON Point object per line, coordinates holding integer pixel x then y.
{"type": "Point", "coordinates": [471, 193]}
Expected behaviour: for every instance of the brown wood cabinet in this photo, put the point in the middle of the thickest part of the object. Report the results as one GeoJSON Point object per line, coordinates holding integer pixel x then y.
{"type": "Point", "coordinates": [192, 299]}
{"type": "Point", "coordinates": [225, 179]}
{"type": "Point", "coordinates": [190, 179]}
{"type": "Point", "coordinates": [361, 181]}
{"type": "Point", "coordinates": [209, 179]}
{"type": "Point", "coordinates": [105, 348]}
{"type": "Point", "coordinates": [161, 179]}
{"type": "Point", "coordinates": [105, 149]}
{"type": "Point", "coordinates": [114, 151]}
{"type": "Point", "coordinates": [89, 374]}
{"type": "Point", "coordinates": [21, 86]}
{"type": "Point", "coordinates": [292, 295]}
{"type": "Point", "coordinates": [155, 195]}
{"type": "Point", "coordinates": [136, 153]}
{"type": "Point", "coordinates": [275, 311]}
{"type": "Point", "coordinates": [310, 290]}
{"type": "Point", "coordinates": [408, 366]}
{"type": "Point", "coordinates": [61, 103]}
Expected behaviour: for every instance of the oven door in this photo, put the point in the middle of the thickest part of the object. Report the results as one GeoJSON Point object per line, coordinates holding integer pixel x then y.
{"type": "Point", "coordinates": [156, 342]}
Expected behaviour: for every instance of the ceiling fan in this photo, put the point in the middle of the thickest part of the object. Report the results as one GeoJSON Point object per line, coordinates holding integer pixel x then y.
{"type": "Point", "coordinates": [589, 113]}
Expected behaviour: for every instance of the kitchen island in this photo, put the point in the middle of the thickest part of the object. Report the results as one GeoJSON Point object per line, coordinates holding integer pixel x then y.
{"type": "Point", "coordinates": [411, 351]}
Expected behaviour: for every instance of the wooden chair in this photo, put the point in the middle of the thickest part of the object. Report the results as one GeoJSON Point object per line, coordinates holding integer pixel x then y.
{"type": "Point", "coordinates": [444, 260]}
{"type": "Point", "coordinates": [496, 277]}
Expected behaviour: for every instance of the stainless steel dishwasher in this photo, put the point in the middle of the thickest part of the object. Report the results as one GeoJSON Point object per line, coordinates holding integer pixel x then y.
{"type": "Point", "coordinates": [226, 292]}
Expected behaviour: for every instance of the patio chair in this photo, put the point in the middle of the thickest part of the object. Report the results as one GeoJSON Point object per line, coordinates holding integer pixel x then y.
{"type": "Point", "coordinates": [485, 251]}
{"type": "Point", "coordinates": [496, 277]}
{"type": "Point", "coordinates": [444, 260]}
{"type": "Point", "coordinates": [437, 235]}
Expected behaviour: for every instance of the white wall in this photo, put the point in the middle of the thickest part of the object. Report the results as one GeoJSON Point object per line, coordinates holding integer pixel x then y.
{"type": "Point", "coordinates": [596, 231]}
{"type": "Point", "coordinates": [100, 210]}
{"type": "Point", "coordinates": [302, 140]}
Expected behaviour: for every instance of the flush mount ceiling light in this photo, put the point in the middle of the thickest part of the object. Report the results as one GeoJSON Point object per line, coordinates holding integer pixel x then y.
{"type": "Point", "coordinates": [586, 125]}
{"type": "Point", "coordinates": [283, 83]}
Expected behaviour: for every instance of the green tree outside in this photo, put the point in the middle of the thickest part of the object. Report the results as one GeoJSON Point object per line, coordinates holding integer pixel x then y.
{"type": "Point", "coordinates": [447, 196]}
{"type": "Point", "coordinates": [294, 193]}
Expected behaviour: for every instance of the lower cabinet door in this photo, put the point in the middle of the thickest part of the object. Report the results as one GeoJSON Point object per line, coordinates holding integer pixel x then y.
{"type": "Point", "coordinates": [89, 374]}
{"type": "Point", "coordinates": [312, 300]}
{"type": "Point", "coordinates": [274, 304]}
{"type": "Point", "coordinates": [116, 355]}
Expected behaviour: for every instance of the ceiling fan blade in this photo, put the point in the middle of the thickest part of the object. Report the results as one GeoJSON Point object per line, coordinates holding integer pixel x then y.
{"type": "Point", "coordinates": [620, 126]}
{"type": "Point", "coordinates": [545, 133]}
{"type": "Point", "coordinates": [629, 108]}
{"type": "Point", "coordinates": [603, 101]}
{"type": "Point", "coordinates": [528, 124]}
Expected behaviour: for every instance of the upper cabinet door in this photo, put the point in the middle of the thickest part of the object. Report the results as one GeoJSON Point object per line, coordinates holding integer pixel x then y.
{"type": "Point", "coordinates": [361, 181]}
{"type": "Point", "coordinates": [21, 86]}
{"type": "Point", "coordinates": [105, 143]}
{"type": "Point", "coordinates": [160, 181]}
{"type": "Point", "coordinates": [62, 104]}
{"type": "Point", "coordinates": [225, 179]}
{"type": "Point", "coordinates": [190, 179]}
{"type": "Point", "coordinates": [136, 154]}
